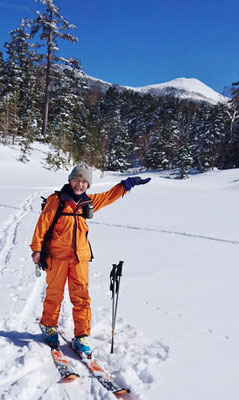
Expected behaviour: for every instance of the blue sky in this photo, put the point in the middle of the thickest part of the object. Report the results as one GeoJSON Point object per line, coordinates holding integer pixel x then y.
{"type": "Point", "coordinates": [142, 42]}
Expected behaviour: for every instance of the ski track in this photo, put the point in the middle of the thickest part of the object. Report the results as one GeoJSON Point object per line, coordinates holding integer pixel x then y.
{"type": "Point", "coordinates": [190, 235]}
{"type": "Point", "coordinates": [12, 207]}
{"type": "Point", "coordinates": [8, 233]}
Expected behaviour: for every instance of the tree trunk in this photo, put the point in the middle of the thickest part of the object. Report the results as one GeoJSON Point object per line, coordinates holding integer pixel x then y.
{"type": "Point", "coordinates": [48, 83]}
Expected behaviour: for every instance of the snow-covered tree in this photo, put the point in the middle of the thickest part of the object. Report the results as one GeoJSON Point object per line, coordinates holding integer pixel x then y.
{"type": "Point", "coordinates": [68, 114]}
{"type": "Point", "coordinates": [209, 140]}
{"type": "Point", "coordinates": [51, 26]}
{"type": "Point", "coordinates": [121, 149]}
{"type": "Point", "coordinates": [2, 98]}
{"type": "Point", "coordinates": [183, 159]}
{"type": "Point", "coordinates": [155, 156]}
{"type": "Point", "coordinates": [21, 84]}
{"type": "Point", "coordinates": [169, 135]}
{"type": "Point", "coordinates": [231, 140]}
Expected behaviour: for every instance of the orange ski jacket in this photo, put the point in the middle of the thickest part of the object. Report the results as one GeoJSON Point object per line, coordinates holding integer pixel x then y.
{"type": "Point", "coordinates": [70, 232]}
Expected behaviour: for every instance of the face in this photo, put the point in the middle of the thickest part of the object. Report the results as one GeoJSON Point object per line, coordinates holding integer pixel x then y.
{"type": "Point", "coordinates": [79, 185]}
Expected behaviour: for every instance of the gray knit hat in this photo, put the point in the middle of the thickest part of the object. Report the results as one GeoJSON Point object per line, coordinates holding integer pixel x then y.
{"type": "Point", "coordinates": [81, 169]}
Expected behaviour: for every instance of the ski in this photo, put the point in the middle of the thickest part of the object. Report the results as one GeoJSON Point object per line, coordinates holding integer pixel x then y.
{"type": "Point", "coordinates": [62, 364]}
{"type": "Point", "coordinates": [106, 381]}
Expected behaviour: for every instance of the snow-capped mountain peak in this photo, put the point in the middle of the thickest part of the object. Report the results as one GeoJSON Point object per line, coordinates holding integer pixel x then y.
{"type": "Point", "coordinates": [183, 88]}
{"type": "Point", "coordinates": [188, 88]}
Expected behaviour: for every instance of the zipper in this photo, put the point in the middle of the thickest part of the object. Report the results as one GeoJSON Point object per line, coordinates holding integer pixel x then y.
{"type": "Point", "coordinates": [75, 228]}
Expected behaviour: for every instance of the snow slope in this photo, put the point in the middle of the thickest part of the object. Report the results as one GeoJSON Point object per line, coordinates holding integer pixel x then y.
{"type": "Point", "coordinates": [177, 327]}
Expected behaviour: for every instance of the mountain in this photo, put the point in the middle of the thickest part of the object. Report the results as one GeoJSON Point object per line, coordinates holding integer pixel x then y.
{"type": "Point", "coordinates": [97, 84]}
{"type": "Point", "coordinates": [184, 88]}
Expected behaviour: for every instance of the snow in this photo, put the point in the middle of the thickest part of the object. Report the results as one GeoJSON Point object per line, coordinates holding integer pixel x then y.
{"type": "Point", "coordinates": [184, 88]}
{"type": "Point", "coordinates": [96, 79]}
{"type": "Point", "coordinates": [189, 88]}
{"type": "Point", "coordinates": [177, 326]}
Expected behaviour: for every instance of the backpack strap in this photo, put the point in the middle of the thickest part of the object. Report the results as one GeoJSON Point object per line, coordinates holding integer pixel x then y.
{"type": "Point", "coordinates": [48, 234]}
{"type": "Point", "coordinates": [58, 213]}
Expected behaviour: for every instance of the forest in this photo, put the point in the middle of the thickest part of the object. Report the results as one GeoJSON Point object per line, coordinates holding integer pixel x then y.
{"type": "Point", "coordinates": [45, 98]}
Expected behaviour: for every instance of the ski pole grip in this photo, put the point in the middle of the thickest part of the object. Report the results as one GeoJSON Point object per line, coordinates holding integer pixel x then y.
{"type": "Point", "coordinates": [113, 278]}
{"type": "Point", "coordinates": [119, 268]}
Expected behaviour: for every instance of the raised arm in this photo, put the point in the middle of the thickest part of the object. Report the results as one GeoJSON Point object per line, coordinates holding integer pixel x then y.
{"type": "Point", "coordinates": [104, 199]}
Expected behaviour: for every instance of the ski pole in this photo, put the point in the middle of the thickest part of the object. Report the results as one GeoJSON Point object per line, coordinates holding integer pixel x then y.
{"type": "Point", "coordinates": [112, 288]}
{"type": "Point", "coordinates": [115, 276]}
{"type": "Point", "coordinates": [118, 276]}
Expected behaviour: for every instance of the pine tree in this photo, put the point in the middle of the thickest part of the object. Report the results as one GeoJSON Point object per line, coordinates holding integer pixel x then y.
{"type": "Point", "coordinates": [231, 141]}
{"type": "Point", "coordinates": [154, 158]}
{"type": "Point", "coordinates": [119, 153]}
{"type": "Point", "coordinates": [51, 27]}
{"type": "Point", "coordinates": [169, 134]}
{"type": "Point", "coordinates": [132, 116]}
{"type": "Point", "coordinates": [21, 84]}
{"type": "Point", "coordinates": [183, 159]}
{"type": "Point", "coordinates": [69, 117]}
{"type": "Point", "coordinates": [13, 88]}
{"type": "Point", "coordinates": [209, 140]}
{"type": "Point", "coordinates": [235, 99]}
{"type": "Point", "coordinates": [2, 98]}
{"type": "Point", "coordinates": [2, 76]}
{"type": "Point", "coordinates": [118, 144]}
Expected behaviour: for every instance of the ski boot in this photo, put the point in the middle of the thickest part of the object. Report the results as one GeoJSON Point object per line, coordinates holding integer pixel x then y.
{"type": "Point", "coordinates": [51, 336]}
{"type": "Point", "coordinates": [80, 343]}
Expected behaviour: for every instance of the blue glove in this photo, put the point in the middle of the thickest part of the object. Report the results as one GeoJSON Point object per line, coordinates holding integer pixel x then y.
{"type": "Point", "coordinates": [131, 182]}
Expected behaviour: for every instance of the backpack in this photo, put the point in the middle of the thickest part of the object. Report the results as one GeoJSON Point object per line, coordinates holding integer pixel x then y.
{"type": "Point", "coordinates": [87, 213]}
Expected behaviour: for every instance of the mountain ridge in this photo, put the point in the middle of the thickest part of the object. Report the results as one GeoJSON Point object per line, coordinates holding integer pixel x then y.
{"type": "Point", "coordinates": [184, 88]}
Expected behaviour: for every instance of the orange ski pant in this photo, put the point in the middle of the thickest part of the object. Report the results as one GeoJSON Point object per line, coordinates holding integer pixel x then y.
{"type": "Point", "coordinates": [78, 275]}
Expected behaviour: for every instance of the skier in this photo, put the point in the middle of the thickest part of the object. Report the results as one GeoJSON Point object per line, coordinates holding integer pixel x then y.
{"type": "Point", "coordinates": [69, 251]}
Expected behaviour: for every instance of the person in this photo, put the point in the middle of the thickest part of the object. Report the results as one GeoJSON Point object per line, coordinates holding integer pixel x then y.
{"type": "Point", "coordinates": [69, 251]}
